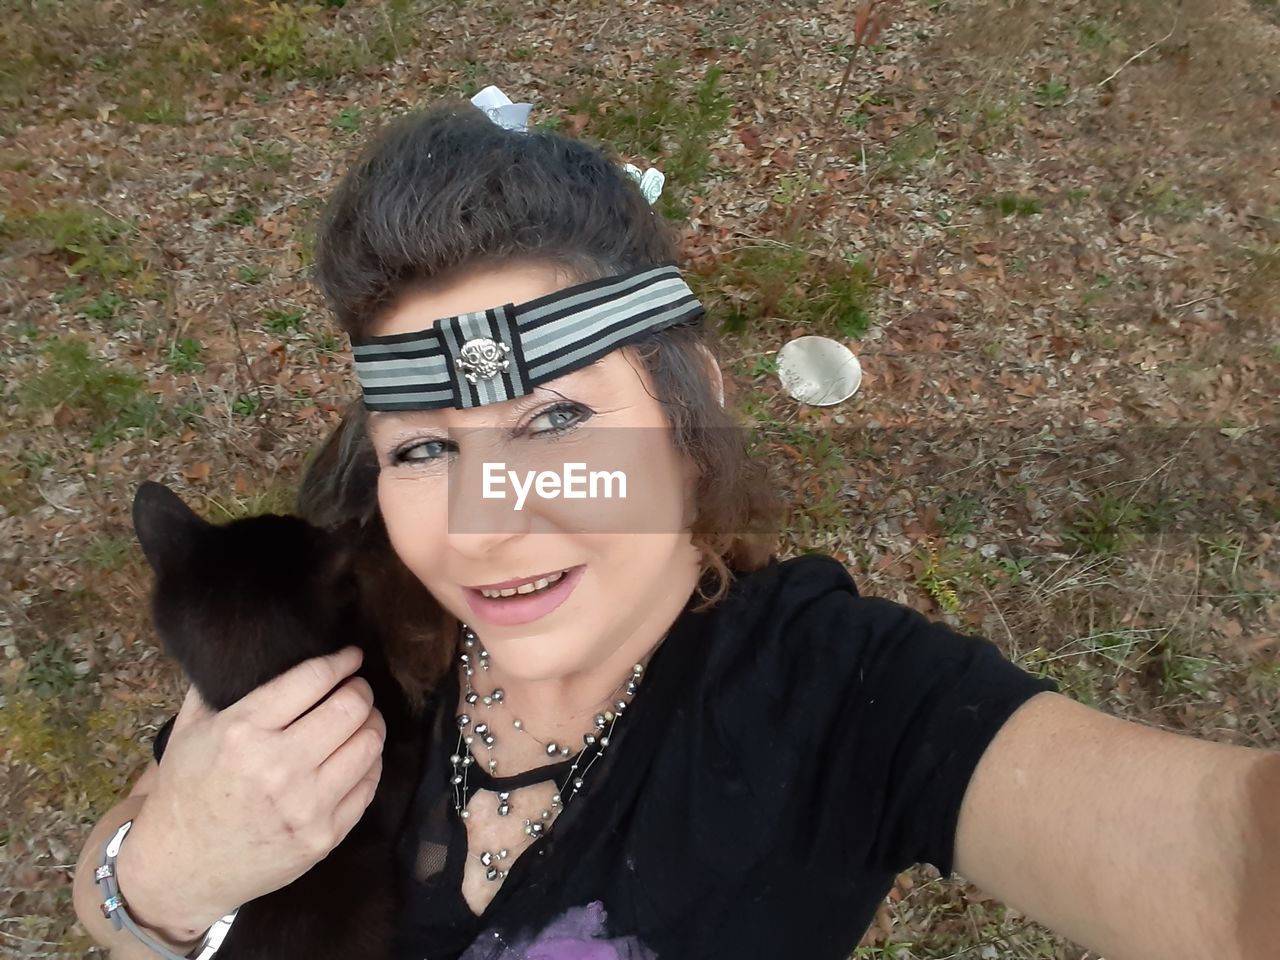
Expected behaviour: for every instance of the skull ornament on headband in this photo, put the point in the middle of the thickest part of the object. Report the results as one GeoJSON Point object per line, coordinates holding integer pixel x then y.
{"type": "Point", "coordinates": [498, 354]}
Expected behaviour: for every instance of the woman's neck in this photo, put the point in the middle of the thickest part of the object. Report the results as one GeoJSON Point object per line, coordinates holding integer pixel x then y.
{"type": "Point", "coordinates": [561, 710]}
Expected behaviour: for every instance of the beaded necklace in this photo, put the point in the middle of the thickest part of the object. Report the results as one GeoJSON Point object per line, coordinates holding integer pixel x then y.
{"type": "Point", "coordinates": [594, 745]}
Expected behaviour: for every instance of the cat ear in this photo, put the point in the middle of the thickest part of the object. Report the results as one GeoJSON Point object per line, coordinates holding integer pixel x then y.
{"type": "Point", "coordinates": [166, 527]}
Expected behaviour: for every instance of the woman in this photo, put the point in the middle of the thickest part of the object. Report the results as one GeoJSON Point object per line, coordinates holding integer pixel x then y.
{"type": "Point", "coordinates": [653, 732]}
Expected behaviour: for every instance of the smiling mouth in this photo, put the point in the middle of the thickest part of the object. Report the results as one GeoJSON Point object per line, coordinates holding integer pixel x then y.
{"type": "Point", "coordinates": [531, 585]}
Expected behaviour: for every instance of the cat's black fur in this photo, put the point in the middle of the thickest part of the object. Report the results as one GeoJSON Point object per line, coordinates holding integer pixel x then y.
{"type": "Point", "coordinates": [237, 605]}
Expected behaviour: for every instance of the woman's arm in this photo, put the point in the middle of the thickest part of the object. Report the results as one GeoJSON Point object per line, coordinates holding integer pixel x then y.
{"type": "Point", "coordinates": [1135, 842]}
{"type": "Point", "coordinates": [87, 895]}
{"type": "Point", "coordinates": [248, 799]}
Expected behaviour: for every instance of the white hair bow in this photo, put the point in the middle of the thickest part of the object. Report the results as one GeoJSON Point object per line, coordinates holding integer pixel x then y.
{"type": "Point", "coordinates": [499, 108]}
{"type": "Point", "coordinates": [650, 181]}
{"type": "Point", "coordinates": [515, 116]}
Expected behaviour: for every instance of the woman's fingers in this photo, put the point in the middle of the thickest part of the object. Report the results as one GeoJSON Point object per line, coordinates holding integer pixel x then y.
{"type": "Point", "coordinates": [352, 806]}
{"type": "Point", "coordinates": [354, 760]}
{"type": "Point", "coordinates": [316, 735]}
{"type": "Point", "coordinates": [278, 703]}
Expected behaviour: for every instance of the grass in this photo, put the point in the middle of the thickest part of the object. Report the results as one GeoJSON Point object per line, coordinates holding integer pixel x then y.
{"type": "Point", "coordinates": [109, 553]}
{"type": "Point", "coordinates": [959, 513]}
{"type": "Point", "coordinates": [241, 216]}
{"type": "Point", "coordinates": [276, 498]}
{"type": "Point", "coordinates": [281, 322]}
{"type": "Point", "coordinates": [1110, 523]}
{"type": "Point", "coordinates": [938, 581]}
{"type": "Point", "coordinates": [1168, 199]}
{"type": "Point", "coordinates": [110, 399]}
{"type": "Point", "coordinates": [1011, 205]}
{"type": "Point", "coordinates": [318, 41]}
{"type": "Point", "coordinates": [790, 282]}
{"type": "Point", "coordinates": [246, 405]}
{"type": "Point", "coordinates": [252, 274]}
{"type": "Point", "coordinates": [1052, 93]}
{"type": "Point", "coordinates": [81, 760]}
{"type": "Point", "coordinates": [104, 307]}
{"type": "Point", "coordinates": [349, 119]}
{"type": "Point", "coordinates": [668, 124]}
{"type": "Point", "coordinates": [1097, 34]}
{"type": "Point", "coordinates": [908, 150]}
{"type": "Point", "coordinates": [184, 356]}
{"type": "Point", "coordinates": [90, 243]}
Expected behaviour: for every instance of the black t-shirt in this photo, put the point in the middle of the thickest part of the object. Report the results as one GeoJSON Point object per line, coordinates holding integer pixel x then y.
{"type": "Point", "coordinates": [788, 753]}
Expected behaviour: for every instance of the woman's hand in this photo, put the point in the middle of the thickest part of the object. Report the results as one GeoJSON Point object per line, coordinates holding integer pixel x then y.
{"type": "Point", "coordinates": [249, 799]}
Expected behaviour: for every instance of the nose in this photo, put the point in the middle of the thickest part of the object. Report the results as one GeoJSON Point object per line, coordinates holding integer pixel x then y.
{"type": "Point", "coordinates": [482, 514]}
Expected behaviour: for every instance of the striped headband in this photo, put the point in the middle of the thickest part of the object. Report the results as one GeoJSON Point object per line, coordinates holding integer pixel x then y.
{"type": "Point", "coordinates": [498, 354]}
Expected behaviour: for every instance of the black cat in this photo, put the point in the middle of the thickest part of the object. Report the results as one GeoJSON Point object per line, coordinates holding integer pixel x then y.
{"type": "Point", "coordinates": [237, 605]}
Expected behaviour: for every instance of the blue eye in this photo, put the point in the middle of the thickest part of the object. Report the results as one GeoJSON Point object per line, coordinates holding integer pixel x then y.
{"type": "Point", "coordinates": [561, 417]}
{"type": "Point", "coordinates": [421, 451]}
{"type": "Point", "coordinates": [551, 422]}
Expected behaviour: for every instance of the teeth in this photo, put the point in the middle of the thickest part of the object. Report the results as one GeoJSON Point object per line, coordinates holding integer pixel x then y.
{"type": "Point", "coordinates": [540, 584]}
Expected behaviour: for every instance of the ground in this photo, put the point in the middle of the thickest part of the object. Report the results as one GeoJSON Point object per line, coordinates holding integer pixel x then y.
{"type": "Point", "coordinates": [1050, 232]}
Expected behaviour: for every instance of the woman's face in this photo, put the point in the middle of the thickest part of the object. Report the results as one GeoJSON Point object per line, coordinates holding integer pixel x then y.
{"type": "Point", "coordinates": [450, 484]}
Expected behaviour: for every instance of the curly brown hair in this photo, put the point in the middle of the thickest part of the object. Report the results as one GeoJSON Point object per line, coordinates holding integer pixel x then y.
{"type": "Point", "coordinates": [442, 191]}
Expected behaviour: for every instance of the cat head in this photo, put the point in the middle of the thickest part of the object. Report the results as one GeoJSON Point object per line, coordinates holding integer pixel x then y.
{"type": "Point", "coordinates": [238, 603]}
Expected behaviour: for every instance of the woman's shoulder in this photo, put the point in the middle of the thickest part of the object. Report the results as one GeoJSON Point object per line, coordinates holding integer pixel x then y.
{"type": "Point", "coordinates": [804, 599]}
{"type": "Point", "coordinates": [793, 582]}
{"type": "Point", "coordinates": [797, 646]}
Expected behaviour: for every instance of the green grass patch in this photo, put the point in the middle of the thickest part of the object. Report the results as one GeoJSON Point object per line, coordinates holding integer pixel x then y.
{"type": "Point", "coordinates": [1110, 523]}
{"type": "Point", "coordinates": [1097, 34]}
{"type": "Point", "coordinates": [958, 517]}
{"type": "Point", "coordinates": [81, 758]}
{"type": "Point", "coordinates": [252, 274]}
{"type": "Point", "coordinates": [295, 41]}
{"type": "Point", "coordinates": [814, 462]}
{"type": "Point", "coordinates": [789, 282]}
{"type": "Point", "coordinates": [943, 575]}
{"type": "Point", "coordinates": [349, 119]}
{"type": "Point", "coordinates": [184, 356]}
{"type": "Point", "coordinates": [91, 243]}
{"type": "Point", "coordinates": [280, 322]}
{"type": "Point", "coordinates": [111, 399]}
{"type": "Point", "coordinates": [240, 217]}
{"type": "Point", "coordinates": [908, 150]}
{"type": "Point", "coordinates": [1167, 199]}
{"type": "Point", "coordinates": [666, 124]}
{"type": "Point", "coordinates": [1052, 93]}
{"type": "Point", "coordinates": [109, 553]}
{"type": "Point", "coordinates": [165, 111]}
{"type": "Point", "coordinates": [1011, 205]}
{"type": "Point", "coordinates": [278, 498]}
{"type": "Point", "coordinates": [104, 307]}
{"type": "Point", "coordinates": [69, 293]}
{"type": "Point", "coordinates": [246, 405]}
{"type": "Point", "coordinates": [44, 44]}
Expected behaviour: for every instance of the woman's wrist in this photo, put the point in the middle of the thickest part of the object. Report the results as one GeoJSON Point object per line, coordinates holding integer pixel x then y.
{"type": "Point", "coordinates": [181, 932]}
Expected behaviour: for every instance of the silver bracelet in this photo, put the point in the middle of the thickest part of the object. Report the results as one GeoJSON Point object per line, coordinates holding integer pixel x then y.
{"type": "Point", "coordinates": [113, 908]}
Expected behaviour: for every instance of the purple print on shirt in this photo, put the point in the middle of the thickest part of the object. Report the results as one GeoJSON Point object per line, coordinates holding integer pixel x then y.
{"type": "Point", "coordinates": [580, 934]}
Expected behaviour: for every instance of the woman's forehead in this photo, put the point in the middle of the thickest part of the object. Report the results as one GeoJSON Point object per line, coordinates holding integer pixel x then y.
{"type": "Point", "coordinates": [477, 289]}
